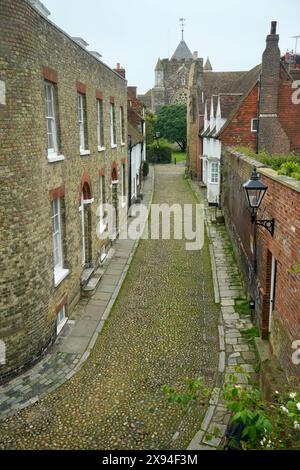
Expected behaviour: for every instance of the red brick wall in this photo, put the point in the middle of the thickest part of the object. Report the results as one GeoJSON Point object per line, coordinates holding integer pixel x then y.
{"type": "Point", "coordinates": [238, 132]}
{"type": "Point", "coordinates": [282, 202]}
{"type": "Point", "coordinates": [288, 112]}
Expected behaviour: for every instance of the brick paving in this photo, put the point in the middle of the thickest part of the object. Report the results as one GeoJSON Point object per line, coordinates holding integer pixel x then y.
{"type": "Point", "coordinates": [162, 329]}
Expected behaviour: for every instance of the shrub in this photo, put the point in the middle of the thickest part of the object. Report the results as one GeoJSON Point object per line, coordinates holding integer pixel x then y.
{"type": "Point", "coordinates": [145, 169]}
{"type": "Point", "coordinates": [290, 168]}
{"type": "Point", "coordinates": [159, 155]}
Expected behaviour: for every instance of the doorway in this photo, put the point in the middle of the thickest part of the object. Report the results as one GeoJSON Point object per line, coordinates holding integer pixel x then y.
{"type": "Point", "coordinates": [272, 290]}
{"type": "Point", "coordinates": [86, 225]}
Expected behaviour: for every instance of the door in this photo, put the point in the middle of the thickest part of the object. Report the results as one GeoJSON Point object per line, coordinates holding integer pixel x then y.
{"type": "Point", "coordinates": [83, 231]}
{"type": "Point", "coordinates": [272, 291]}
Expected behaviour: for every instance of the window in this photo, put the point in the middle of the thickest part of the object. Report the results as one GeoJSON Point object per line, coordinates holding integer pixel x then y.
{"type": "Point", "coordinates": [214, 176]}
{"type": "Point", "coordinates": [100, 130]}
{"type": "Point", "coordinates": [123, 185]}
{"type": "Point", "coordinates": [50, 118]}
{"type": "Point", "coordinates": [113, 125]}
{"type": "Point", "coordinates": [61, 320]}
{"type": "Point", "coordinates": [122, 125]}
{"type": "Point", "coordinates": [254, 125]}
{"type": "Point", "coordinates": [59, 272]}
{"type": "Point", "coordinates": [82, 124]}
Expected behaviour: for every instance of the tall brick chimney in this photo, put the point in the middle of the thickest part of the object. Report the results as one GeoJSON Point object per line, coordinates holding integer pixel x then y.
{"type": "Point", "coordinates": [270, 73]}
{"type": "Point", "coordinates": [271, 135]}
{"type": "Point", "coordinates": [120, 70]}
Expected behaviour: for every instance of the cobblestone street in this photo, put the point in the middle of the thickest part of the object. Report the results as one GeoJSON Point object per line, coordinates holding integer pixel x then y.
{"type": "Point", "coordinates": [163, 328]}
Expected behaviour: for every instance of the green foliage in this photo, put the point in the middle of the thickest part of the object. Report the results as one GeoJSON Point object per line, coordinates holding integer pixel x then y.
{"type": "Point", "coordinates": [179, 156]}
{"type": "Point", "coordinates": [251, 334]}
{"type": "Point", "coordinates": [295, 269]}
{"type": "Point", "coordinates": [150, 128]}
{"type": "Point", "coordinates": [288, 164]}
{"type": "Point", "coordinates": [172, 124]}
{"type": "Point", "coordinates": [266, 425]}
{"type": "Point", "coordinates": [193, 391]}
{"type": "Point", "coordinates": [145, 169]}
{"type": "Point", "coordinates": [159, 154]}
{"type": "Point", "coordinates": [242, 307]}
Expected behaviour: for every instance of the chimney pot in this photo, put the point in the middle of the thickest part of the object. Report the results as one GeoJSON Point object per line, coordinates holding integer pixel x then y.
{"type": "Point", "coordinates": [273, 27]}
{"type": "Point", "coordinates": [195, 55]}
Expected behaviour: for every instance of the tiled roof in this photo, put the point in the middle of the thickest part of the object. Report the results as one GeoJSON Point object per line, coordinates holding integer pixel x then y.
{"type": "Point", "coordinates": [182, 52]}
{"type": "Point", "coordinates": [136, 135]}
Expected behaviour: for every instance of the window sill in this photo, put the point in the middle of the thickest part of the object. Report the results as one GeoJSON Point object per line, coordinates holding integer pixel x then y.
{"type": "Point", "coordinates": [61, 326]}
{"type": "Point", "coordinates": [123, 144]}
{"type": "Point", "coordinates": [123, 205]}
{"type": "Point", "coordinates": [54, 157]}
{"type": "Point", "coordinates": [85, 153]}
{"type": "Point", "coordinates": [101, 149]}
{"type": "Point", "coordinates": [114, 146]}
{"type": "Point", "coordinates": [60, 275]}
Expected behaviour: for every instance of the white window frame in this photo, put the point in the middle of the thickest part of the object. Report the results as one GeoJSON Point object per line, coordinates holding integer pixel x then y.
{"type": "Point", "coordinates": [50, 114]}
{"type": "Point", "coordinates": [214, 173]}
{"type": "Point", "coordinates": [61, 320]}
{"type": "Point", "coordinates": [113, 137]}
{"type": "Point", "coordinates": [122, 125]}
{"type": "Point", "coordinates": [82, 125]}
{"type": "Point", "coordinates": [99, 110]}
{"type": "Point", "coordinates": [252, 127]}
{"type": "Point", "coordinates": [59, 272]}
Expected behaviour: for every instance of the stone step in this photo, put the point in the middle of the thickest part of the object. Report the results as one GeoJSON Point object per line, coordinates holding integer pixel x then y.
{"type": "Point", "coordinates": [90, 288]}
{"type": "Point", "coordinates": [86, 275]}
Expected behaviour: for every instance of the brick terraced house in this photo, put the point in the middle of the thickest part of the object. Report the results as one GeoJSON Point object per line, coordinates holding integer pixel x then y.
{"type": "Point", "coordinates": [63, 154]}
{"type": "Point", "coordinates": [259, 109]}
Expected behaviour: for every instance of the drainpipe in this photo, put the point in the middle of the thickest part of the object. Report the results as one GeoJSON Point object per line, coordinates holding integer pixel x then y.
{"type": "Point", "coordinates": [129, 171]}
{"type": "Point", "coordinates": [258, 114]}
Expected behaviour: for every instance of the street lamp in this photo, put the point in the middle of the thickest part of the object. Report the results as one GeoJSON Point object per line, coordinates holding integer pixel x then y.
{"type": "Point", "coordinates": [255, 192]}
{"type": "Point", "coordinates": [157, 137]}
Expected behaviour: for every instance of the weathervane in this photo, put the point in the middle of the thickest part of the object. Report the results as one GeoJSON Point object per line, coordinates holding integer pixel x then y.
{"type": "Point", "coordinates": [182, 22]}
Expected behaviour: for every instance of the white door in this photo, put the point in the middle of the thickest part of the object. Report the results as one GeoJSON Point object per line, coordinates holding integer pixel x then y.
{"type": "Point", "coordinates": [83, 231]}
{"type": "Point", "coordinates": [272, 292]}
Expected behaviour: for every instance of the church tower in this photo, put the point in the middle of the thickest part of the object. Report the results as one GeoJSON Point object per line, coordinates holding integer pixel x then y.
{"type": "Point", "coordinates": [171, 76]}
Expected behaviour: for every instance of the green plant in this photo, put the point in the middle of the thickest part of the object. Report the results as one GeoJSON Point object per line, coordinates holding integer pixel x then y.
{"type": "Point", "coordinates": [265, 425]}
{"type": "Point", "coordinates": [159, 155]}
{"type": "Point", "coordinates": [251, 334]}
{"type": "Point", "coordinates": [289, 168]}
{"type": "Point", "coordinates": [172, 124]}
{"type": "Point", "coordinates": [194, 389]}
{"type": "Point", "coordinates": [242, 307]}
{"type": "Point", "coordinates": [295, 269]}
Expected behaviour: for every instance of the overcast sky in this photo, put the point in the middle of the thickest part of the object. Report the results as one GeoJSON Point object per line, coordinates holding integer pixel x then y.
{"type": "Point", "coordinates": [136, 32]}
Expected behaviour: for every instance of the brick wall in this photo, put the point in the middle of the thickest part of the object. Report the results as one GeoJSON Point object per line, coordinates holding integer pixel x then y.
{"type": "Point", "coordinates": [28, 299]}
{"type": "Point", "coordinates": [282, 202]}
{"type": "Point", "coordinates": [289, 112]}
{"type": "Point", "coordinates": [239, 129]}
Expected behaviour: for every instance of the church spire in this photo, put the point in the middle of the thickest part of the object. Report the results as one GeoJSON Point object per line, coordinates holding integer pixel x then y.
{"type": "Point", "coordinates": [182, 22]}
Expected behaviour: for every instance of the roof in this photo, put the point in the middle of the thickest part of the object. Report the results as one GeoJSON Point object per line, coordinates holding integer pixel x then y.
{"type": "Point", "coordinates": [136, 135]}
{"type": "Point", "coordinates": [207, 66]}
{"type": "Point", "coordinates": [182, 52]}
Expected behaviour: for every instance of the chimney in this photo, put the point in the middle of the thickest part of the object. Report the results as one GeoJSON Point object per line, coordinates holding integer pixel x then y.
{"type": "Point", "coordinates": [120, 71]}
{"type": "Point", "coordinates": [270, 73]}
{"type": "Point", "coordinates": [271, 135]}
{"type": "Point", "coordinates": [132, 92]}
{"type": "Point", "coordinates": [40, 7]}
{"type": "Point", "coordinates": [195, 55]}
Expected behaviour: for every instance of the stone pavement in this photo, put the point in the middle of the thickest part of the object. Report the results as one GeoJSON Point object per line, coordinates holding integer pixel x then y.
{"type": "Point", "coordinates": [76, 342]}
{"type": "Point", "coordinates": [234, 348]}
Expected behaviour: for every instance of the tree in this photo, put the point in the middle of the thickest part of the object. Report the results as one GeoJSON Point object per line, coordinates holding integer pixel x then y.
{"type": "Point", "coordinates": [150, 128]}
{"type": "Point", "coordinates": [172, 124]}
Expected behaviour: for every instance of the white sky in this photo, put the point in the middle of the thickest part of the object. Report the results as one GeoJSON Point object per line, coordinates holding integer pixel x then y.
{"type": "Point", "coordinates": [136, 32]}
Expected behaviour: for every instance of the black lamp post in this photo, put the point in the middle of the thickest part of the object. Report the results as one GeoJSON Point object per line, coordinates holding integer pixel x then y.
{"type": "Point", "coordinates": [255, 192]}
{"type": "Point", "coordinates": [157, 137]}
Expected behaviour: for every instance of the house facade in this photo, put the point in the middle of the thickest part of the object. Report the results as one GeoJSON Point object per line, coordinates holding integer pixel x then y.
{"type": "Point", "coordinates": [260, 110]}
{"type": "Point", "coordinates": [63, 127]}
